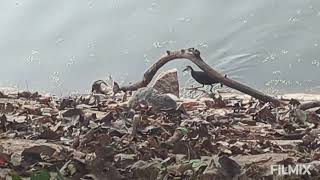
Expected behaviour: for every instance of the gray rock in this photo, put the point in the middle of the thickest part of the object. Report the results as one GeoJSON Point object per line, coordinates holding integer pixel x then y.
{"type": "Point", "coordinates": [167, 82]}
{"type": "Point", "coordinates": [101, 87]}
{"type": "Point", "coordinates": [151, 97]}
{"type": "Point", "coordinates": [146, 170]}
{"type": "Point", "coordinates": [228, 167]}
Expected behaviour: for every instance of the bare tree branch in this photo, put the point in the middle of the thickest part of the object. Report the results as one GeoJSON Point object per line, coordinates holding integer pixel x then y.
{"type": "Point", "coordinates": [194, 56]}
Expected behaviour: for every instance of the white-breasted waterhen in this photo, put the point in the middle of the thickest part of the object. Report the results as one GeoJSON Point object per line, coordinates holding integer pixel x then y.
{"type": "Point", "coordinates": [202, 77]}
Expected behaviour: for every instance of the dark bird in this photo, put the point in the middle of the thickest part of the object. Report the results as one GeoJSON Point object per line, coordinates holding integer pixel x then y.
{"type": "Point", "coordinates": [202, 77]}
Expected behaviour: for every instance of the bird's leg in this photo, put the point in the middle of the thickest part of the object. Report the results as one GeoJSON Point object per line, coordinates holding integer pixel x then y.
{"type": "Point", "coordinates": [211, 88]}
{"type": "Point", "coordinates": [212, 94]}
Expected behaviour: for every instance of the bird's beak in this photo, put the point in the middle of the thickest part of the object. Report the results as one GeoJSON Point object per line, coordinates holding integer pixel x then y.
{"type": "Point", "coordinates": [185, 69]}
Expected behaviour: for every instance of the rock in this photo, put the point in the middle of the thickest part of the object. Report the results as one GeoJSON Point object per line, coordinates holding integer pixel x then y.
{"type": "Point", "coordinates": [146, 170]}
{"type": "Point", "coordinates": [101, 87]}
{"type": "Point", "coordinates": [2, 95]}
{"type": "Point", "coordinates": [228, 167]}
{"type": "Point", "coordinates": [151, 97]}
{"type": "Point", "coordinates": [167, 82]}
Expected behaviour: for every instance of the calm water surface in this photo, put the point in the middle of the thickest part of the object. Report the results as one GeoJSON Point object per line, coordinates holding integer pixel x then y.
{"type": "Point", "coordinates": [63, 46]}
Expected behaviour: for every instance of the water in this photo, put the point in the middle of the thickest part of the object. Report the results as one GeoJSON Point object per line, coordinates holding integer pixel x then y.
{"type": "Point", "coordinates": [63, 46]}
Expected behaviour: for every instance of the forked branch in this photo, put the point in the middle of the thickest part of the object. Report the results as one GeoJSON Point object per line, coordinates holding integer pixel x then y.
{"type": "Point", "coordinates": [194, 56]}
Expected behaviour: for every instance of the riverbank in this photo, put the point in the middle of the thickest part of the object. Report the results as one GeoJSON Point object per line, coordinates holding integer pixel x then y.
{"type": "Point", "coordinates": [222, 136]}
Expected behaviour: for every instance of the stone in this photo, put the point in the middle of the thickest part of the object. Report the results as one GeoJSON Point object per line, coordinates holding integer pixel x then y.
{"type": "Point", "coordinates": [2, 95]}
{"type": "Point", "coordinates": [228, 167]}
{"type": "Point", "coordinates": [101, 87]}
{"type": "Point", "coordinates": [151, 97]}
{"type": "Point", "coordinates": [167, 82]}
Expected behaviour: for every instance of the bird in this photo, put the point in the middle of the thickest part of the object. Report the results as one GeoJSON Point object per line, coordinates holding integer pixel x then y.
{"type": "Point", "coordinates": [202, 77]}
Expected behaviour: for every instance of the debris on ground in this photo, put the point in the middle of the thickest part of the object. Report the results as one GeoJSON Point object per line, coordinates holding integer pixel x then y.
{"type": "Point", "coordinates": [153, 135]}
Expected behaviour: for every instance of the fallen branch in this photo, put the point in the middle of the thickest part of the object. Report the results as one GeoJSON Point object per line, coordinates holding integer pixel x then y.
{"type": "Point", "coordinates": [194, 56]}
{"type": "Point", "coordinates": [309, 105]}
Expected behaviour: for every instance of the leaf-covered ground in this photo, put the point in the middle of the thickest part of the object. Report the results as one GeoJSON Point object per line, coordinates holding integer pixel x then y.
{"type": "Point", "coordinates": [225, 136]}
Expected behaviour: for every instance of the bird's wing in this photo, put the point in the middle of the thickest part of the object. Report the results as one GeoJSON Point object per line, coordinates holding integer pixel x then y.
{"type": "Point", "coordinates": [204, 77]}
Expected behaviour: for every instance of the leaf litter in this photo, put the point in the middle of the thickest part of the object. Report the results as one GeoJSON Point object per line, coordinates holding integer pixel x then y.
{"type": "Point", "coordinates": [149, 136]}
